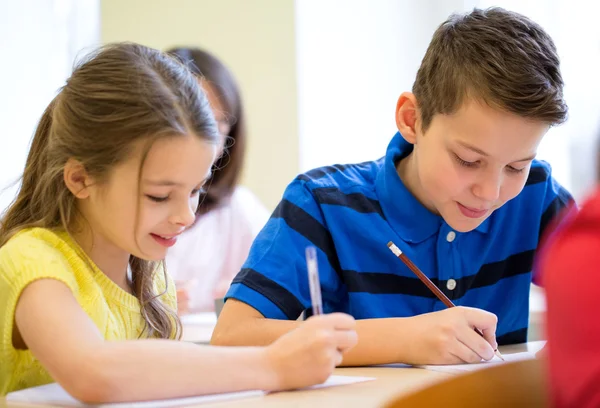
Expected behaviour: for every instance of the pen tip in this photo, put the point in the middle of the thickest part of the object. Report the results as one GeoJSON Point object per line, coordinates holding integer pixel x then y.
{"type": "Point", "coordinates": [497, 353]}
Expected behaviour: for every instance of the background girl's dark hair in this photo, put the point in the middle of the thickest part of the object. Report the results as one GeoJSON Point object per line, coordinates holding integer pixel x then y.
{"type": "Point", "coordinates": [119, 96]}
{"type": "Point", "coordinates": [228, 168]}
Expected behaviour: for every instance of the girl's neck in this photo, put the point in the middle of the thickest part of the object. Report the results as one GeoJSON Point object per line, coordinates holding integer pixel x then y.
{"type": "Point", "coordinates": [110, 259]}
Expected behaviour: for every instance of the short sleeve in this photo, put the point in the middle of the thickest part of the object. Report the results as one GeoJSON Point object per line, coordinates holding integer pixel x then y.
{"type": "Point", "coordinates": [274, 278]}
{"type": "Point", "coordinates": [23, 260]}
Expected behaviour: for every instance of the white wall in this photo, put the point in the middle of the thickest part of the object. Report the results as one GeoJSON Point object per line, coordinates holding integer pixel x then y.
{"type": "Point", "coordinates": [355, 58]}
{"type": "Point", "coordinates": [255, 39]}
{"type": "Point", "coordinates": [39, 40]}
{"type": "Point", "coordinates": [352, 59]}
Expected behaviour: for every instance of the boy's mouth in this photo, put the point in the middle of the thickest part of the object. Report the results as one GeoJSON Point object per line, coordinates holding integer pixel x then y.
{"type": "Point", "coordinates": [471, 212]}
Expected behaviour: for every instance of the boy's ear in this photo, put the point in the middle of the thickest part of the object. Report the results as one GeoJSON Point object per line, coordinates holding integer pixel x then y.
{"type": "Point", "coordinates": [77, 179]}
{"type": "Point", "coordinates": [407, 116]}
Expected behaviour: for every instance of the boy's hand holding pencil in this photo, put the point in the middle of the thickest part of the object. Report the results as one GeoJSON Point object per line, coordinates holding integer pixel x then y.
{"type": "Point", "coordinates": [452, 336]}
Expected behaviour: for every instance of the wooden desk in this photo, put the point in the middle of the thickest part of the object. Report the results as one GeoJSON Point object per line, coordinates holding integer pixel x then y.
{"type": "Point", "coordinates": [389, 382]}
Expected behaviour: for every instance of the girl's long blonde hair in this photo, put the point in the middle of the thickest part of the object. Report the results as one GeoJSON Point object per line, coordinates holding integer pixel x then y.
{"type": "Point", "coordinates": [119, 95]}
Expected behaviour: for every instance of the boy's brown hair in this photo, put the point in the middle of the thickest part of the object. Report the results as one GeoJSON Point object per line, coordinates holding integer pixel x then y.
{"type": "Point", "coordinates": [494, 56]}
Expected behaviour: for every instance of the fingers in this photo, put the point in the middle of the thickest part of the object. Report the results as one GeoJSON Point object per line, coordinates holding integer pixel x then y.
{"type": "Point", "coordinates": [338, 358]}
{"type": "Point", "coordinates": [477, 345]}
{"type": "Point", "coordinates": [484, 321]}
{"type": "Point", "coordinates": [338, 329]}
{"type": "Point", "coordinates": [464, 354]}
{"type": "Point", "coordinates": [345, 339]}
{"type": "Point", "coordinates": [338, 321]}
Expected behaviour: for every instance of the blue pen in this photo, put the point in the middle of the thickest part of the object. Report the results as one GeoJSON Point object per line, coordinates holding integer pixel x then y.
{"type": "Point", "coordinates": [313, 280]}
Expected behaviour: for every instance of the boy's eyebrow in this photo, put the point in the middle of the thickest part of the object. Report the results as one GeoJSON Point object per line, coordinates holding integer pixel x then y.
{"type": "Point", "coordinates": [481, 152]}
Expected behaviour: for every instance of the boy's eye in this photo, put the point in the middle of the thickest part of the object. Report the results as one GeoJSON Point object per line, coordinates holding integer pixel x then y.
{"type": "Point", "coordinates": [515, 170]}
{"type": "Point", "coordinates": [157, 199]}
{"type": "Point", "coordinates": [464, 162]}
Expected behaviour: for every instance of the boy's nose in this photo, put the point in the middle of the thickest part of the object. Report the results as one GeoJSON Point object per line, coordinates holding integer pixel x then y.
{"type": "Point", "coordinates": [488, 189]}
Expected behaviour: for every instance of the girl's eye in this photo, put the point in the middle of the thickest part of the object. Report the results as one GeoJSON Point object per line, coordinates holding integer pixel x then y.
{"type": "Point", "coordinates": [157, 199]}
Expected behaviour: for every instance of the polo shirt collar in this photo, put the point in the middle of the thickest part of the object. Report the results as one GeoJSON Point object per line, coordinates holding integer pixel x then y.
{"type": "Point", "coordinates": [411, 220]}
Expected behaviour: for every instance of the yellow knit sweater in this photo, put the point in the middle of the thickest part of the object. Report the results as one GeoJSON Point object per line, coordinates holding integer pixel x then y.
{"type": "Point", "coordinates": [40, 253]}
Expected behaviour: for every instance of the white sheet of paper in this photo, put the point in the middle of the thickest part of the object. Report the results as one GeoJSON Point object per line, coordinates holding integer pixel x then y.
{"type": "Point", "coordinates": [462, 368]}
{"type": "Point", "coordinates": [335, 380]}
{"type": "Point", "coordinates": [54, 394]}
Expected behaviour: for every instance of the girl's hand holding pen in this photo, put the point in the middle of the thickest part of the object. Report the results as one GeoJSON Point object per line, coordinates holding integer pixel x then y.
{"type": "Point", "coordinates": [309, 353]}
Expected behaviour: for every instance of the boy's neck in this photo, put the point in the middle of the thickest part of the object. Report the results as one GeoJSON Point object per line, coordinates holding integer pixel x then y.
{"type": "Point", "coordinates": [407, 171]}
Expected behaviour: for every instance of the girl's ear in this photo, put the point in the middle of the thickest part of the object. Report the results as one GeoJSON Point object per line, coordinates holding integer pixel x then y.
{"type": "Point", "coordinates": [77, 179]}
{"type": "Point", "coordinates": [407, 116]}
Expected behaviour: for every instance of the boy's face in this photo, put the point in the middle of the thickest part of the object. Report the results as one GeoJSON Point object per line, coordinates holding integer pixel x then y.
{"type": "Point", "coordinates": [144, 215]}
{"type": "Point", "coordinates": [468, 164]}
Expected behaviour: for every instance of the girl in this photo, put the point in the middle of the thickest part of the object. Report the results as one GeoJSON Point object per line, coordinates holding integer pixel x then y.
{"type": "Point", "coordinates": [230, 216]}
{"type": "Point", "coordinates": [112, 178]}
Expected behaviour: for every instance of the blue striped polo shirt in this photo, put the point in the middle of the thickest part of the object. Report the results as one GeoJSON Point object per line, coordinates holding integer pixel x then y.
{"type": "Point", "coordinates": [350, 212]}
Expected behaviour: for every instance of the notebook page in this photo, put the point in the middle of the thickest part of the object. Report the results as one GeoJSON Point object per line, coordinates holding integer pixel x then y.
{"type": "Point", "coordinates": [464, 368]}
{"type": "Point", "coordinates": [53, 394]}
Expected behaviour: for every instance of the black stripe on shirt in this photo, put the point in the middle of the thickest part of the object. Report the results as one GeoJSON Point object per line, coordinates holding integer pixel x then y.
{"type": "Point", "coordinates": [388, 283]}
{"type": "Point", "coordinates": [514, 265]}
{"type": "Point", "coordinates": [321, 172]}
{"type": "Point", "coordinates": [356, 201]}
{"type": "Point", "coordinates": [311, 229]}
{"type": "Point", "coordinates": [513, 337]}
{"type": "Point", "coordinates": [537, 175]}
{"type": "Point", "coordinates": [280, 296]}
{"type": "Point", "coordinates": [385, 283]}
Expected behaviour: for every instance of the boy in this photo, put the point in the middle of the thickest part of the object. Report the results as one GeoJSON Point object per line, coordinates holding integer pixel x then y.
{"type": "Point", "coordinates": [459, 192]}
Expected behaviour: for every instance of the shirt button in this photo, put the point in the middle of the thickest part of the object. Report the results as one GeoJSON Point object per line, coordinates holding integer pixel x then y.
{"type": "Point", "coordinates": [450, 237]}
{"type": "Point", "coordinates": [451, 284]}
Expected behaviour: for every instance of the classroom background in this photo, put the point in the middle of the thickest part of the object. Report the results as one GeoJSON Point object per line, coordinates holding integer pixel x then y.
{"type": "Point", "coordinates": [319, 81]}
{"type": "Point", "coordinates": [319, 78]}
